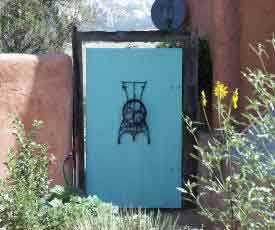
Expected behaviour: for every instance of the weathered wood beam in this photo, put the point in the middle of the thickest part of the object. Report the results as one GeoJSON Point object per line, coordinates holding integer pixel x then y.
{"type": "Point", "coordinates": [132, 36]}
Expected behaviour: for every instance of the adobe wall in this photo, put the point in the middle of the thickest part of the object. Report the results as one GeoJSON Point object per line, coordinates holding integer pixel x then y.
{"type": "Point", "coordinates": [257, 25]}
{"type": "Point", "coordinates": [37, 87]}
{"type": "Point", "coordinates": [230, 25]}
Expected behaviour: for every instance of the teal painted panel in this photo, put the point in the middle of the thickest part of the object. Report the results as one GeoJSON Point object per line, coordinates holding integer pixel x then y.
{"type": "Point", "coordinates": [134, 174]}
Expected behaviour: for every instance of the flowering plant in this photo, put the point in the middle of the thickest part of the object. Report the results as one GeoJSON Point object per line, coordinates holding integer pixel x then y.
{"type": "Point", "coordinates": [240, 165]}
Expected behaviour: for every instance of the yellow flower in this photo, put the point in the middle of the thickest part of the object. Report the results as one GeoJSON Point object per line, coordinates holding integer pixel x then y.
{"type": "Point", "coordinates": [220, 90]}
{"type": "Point", "coordinates": [203, 99]}
{"type": "Point", "coordinates": [235, 98]}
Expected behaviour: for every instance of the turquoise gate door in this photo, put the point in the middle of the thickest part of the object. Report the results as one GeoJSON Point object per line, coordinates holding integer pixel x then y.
{"type": "Point", "coordinates": [134, 126]}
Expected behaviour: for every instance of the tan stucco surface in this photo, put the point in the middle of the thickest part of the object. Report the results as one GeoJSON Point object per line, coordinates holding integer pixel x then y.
{"type": "Point", "coordinates": [230, 26]}
{"type": "Point", "coordinates": [37, 87]}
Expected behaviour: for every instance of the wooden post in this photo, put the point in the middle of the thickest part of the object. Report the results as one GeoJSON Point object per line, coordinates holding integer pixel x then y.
{"type": "Point", "coordinates": [78, 118]}
{"type": "Point", "coordinates": [190, 97]}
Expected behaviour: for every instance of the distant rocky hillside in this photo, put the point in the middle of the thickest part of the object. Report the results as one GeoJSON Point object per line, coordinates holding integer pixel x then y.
{"type": "Point", "coordinates": [122, 15]}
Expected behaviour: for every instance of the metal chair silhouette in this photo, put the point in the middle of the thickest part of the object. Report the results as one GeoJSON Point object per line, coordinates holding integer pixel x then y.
{"type": "Point", "coordinates": [134, 112]}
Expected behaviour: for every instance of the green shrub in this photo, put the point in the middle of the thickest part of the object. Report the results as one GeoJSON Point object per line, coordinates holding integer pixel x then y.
{"type": "Point", "coordinates": [28, 166]}
{"type": "Point", "coordinates": [25, 200]}
{"type": "Point", "coordinates": [40, 26]}
{"type": "Point", "coordinates": [64, 215]}
{"type": "Point", "coordinates": [64, 193]}
{"type": "Point", "coordinates": [19, 208]}
{"type": "Point", "coordinates": [21, 198]}
{"type": "Point", "coordinates": [240, 165]}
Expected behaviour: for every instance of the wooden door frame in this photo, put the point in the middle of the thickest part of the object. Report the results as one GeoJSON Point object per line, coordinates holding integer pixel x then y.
{"type": "Point", "coordinates": [190, 92]}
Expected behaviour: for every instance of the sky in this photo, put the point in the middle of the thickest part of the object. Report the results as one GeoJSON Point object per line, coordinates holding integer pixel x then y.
{"type": "Point", "coordinates": [124, 14]}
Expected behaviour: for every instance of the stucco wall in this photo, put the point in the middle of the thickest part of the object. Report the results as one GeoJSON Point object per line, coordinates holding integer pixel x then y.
{"type": "Point", "coordinates": [257, 25]}
{"type": "Point", "coordinates": [37, 87]}
{"type": "Point", "coordinates": [230, 25]}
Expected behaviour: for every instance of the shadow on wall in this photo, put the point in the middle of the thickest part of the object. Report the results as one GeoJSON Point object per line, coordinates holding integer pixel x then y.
{"type": "Point", "coordinates": [37, 87]}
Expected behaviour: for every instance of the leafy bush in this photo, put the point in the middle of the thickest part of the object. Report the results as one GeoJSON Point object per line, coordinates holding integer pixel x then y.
{"type": "Point", "coordinates": [25, 200]}
{"type": "Point", "coordinates": [40, 26]}
{"type": "Point", "coordinates": [21, 198]}
{"type": "Point", "coordinates": [19, 208]}
{"type": "Point", "coordinates": [28, 168]}
{"type": "Point", "coordinates": [63, 193]}
{"type": "Point", "coordinates": [240, 165]}
{"type": "Point", "coordinates": [64, 215]}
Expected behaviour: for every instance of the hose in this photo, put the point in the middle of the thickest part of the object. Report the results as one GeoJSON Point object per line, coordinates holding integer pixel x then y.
{"type": "Point", "coordinates": [67, 157]}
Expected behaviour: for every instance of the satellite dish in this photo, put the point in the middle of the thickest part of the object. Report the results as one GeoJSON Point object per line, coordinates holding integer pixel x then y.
{"type": "Point", "coordinates": [169, 14]}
